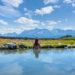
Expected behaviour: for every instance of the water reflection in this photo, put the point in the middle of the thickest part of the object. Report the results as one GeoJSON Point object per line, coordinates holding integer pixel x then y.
{"type": "Point", "coordinates": [14, 51]}
{"type": "Point", "coordinates": [16, 69]}
{"type": "Point", "coordinates": [49, 62]}
{"type": "Point", "coordinates": [36, 52]}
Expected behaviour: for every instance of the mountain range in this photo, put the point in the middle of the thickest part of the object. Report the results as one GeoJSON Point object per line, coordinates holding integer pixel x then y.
{"type": "Point", "coordinates": [42, 33]}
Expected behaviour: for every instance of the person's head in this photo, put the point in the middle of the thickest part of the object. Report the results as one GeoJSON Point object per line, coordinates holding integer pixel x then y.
{"type": "Point", "coordinates": [36, 41]}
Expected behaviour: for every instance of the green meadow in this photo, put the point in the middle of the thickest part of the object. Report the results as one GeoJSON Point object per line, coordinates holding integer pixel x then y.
{"type": "Point", "coordinates": [43, 42]}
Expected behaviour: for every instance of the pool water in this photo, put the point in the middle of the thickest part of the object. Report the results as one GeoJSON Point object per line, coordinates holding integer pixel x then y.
{"type": "Point", "coordinates": [37, 62]}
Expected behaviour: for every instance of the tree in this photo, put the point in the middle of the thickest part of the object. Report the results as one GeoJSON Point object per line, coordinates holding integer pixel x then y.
{"type": "Point", "coordinates": [68, 36]}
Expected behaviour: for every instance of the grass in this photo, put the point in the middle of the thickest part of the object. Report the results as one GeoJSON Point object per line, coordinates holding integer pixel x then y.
{"type": "Point", "coordinates": [29, 42]}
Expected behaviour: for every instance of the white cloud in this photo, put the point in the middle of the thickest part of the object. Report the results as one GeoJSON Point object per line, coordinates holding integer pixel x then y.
{"type": "Point", "coordinates": [3, 22]}
{"type": "Point", "coordinates": [49, 27]}
{"type": "Point", "coordinates": [42, 23]}
{"type": "Point", "coordinates": [53, 22]}
{"type": "Point", "coordinates": [31, 24]}
{"type": "Point", "coordinates": [9, 12]}
{"type": "Point", "coordinates": [45, 10]}
{"type": "Point", "coordinates": [27, 21]}
{"type": "Point", "coordinates": [73, 4]}
{"type": "Point", "coordinates": [67, 1]}
{"type": "Point", "coordinates": [10, 30]}
{"type": "Point", "coordinates": [18, 30]}
{"type": "Point", "coordinates": [14, 3]}
{"type": "Point", "coordinates": [50, 1]}
{"type": "Point", "coordinates": [56, 6]}
{"type": "Point", "coordinates": [49, 24]}
{"type": "Point", "coordinates": [29, 14]}
{"type": "Point", "coordinates": [27, 24]}
{"type": "Point", "coordinates": [25, 9]}
{"type": "Point", "coordinates": [68, 28]}
{"type": "Point", "coordinates": [42, 11]}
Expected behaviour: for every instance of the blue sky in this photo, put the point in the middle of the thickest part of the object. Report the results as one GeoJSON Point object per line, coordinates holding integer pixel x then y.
{"type": "Point", "coordinates": [19, 15]}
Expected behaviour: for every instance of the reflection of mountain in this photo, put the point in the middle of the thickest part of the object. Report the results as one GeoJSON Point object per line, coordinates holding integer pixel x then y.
{"type": "Point", "coordinates": [42, 33]}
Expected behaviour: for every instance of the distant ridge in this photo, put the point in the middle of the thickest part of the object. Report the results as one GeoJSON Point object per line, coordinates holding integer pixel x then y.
{"type": "Point", "coordinates": [41, 33]}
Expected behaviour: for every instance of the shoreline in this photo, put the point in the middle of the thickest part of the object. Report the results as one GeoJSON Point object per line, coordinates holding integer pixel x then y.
{"type": "Point", "coordinates": [43, 47]}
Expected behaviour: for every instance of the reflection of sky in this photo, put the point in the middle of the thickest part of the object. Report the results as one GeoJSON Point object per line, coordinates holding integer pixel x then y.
{"type": "Point", "coordinates": [11, 69]}
{"type": "Point", "coordinates": [51, 62]}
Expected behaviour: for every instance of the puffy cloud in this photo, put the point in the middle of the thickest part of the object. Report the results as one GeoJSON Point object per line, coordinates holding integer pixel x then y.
{"type": "Point", "coordinates": [50, 1]}
{"type": "Point", "coordinates": [14, 3]}
{"type": "Point", "coordinates": [45, 10]}
{"type": "Point", "coordinates": [9, 12]}
{"type": "Point", "coordinates": [70, 2]}
{"type": "Point", "coordinates": [42, 11]}
{"type": "Point", "coordinates": [27, 24]}
{"type": "Point", "coordinates": [31, 24]}
{"type": "Point", "coordinates": [3, 22]}
{"type": "Point", "coordinates": [27, 21]}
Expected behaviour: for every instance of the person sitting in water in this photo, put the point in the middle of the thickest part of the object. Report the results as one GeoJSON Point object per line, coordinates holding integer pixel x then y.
{"type": "Point", "coordinates": [36, 44]}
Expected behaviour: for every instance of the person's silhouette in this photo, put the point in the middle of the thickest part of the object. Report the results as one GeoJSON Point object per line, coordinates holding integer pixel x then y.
{"type": "Point", "coordinates": [36, 44]}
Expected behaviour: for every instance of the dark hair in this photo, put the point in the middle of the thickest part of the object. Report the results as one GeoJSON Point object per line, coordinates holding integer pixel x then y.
{"type": "Point", "coordinates": [36, 42]}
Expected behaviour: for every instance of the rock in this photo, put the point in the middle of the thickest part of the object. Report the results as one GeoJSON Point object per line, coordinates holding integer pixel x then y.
{"type": "Point", "coordinates": [3, 47]}
{"type": "Point", "coordinates": [59, 43]}
{"type": "Point", "coordinates": [11, 46]}
{"type": "Point", "coordinates": [61, 46]}
{"type": "Point", "coordinates": [22, 46]}
{"type": "Point", "coordinates": [68, 46]}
